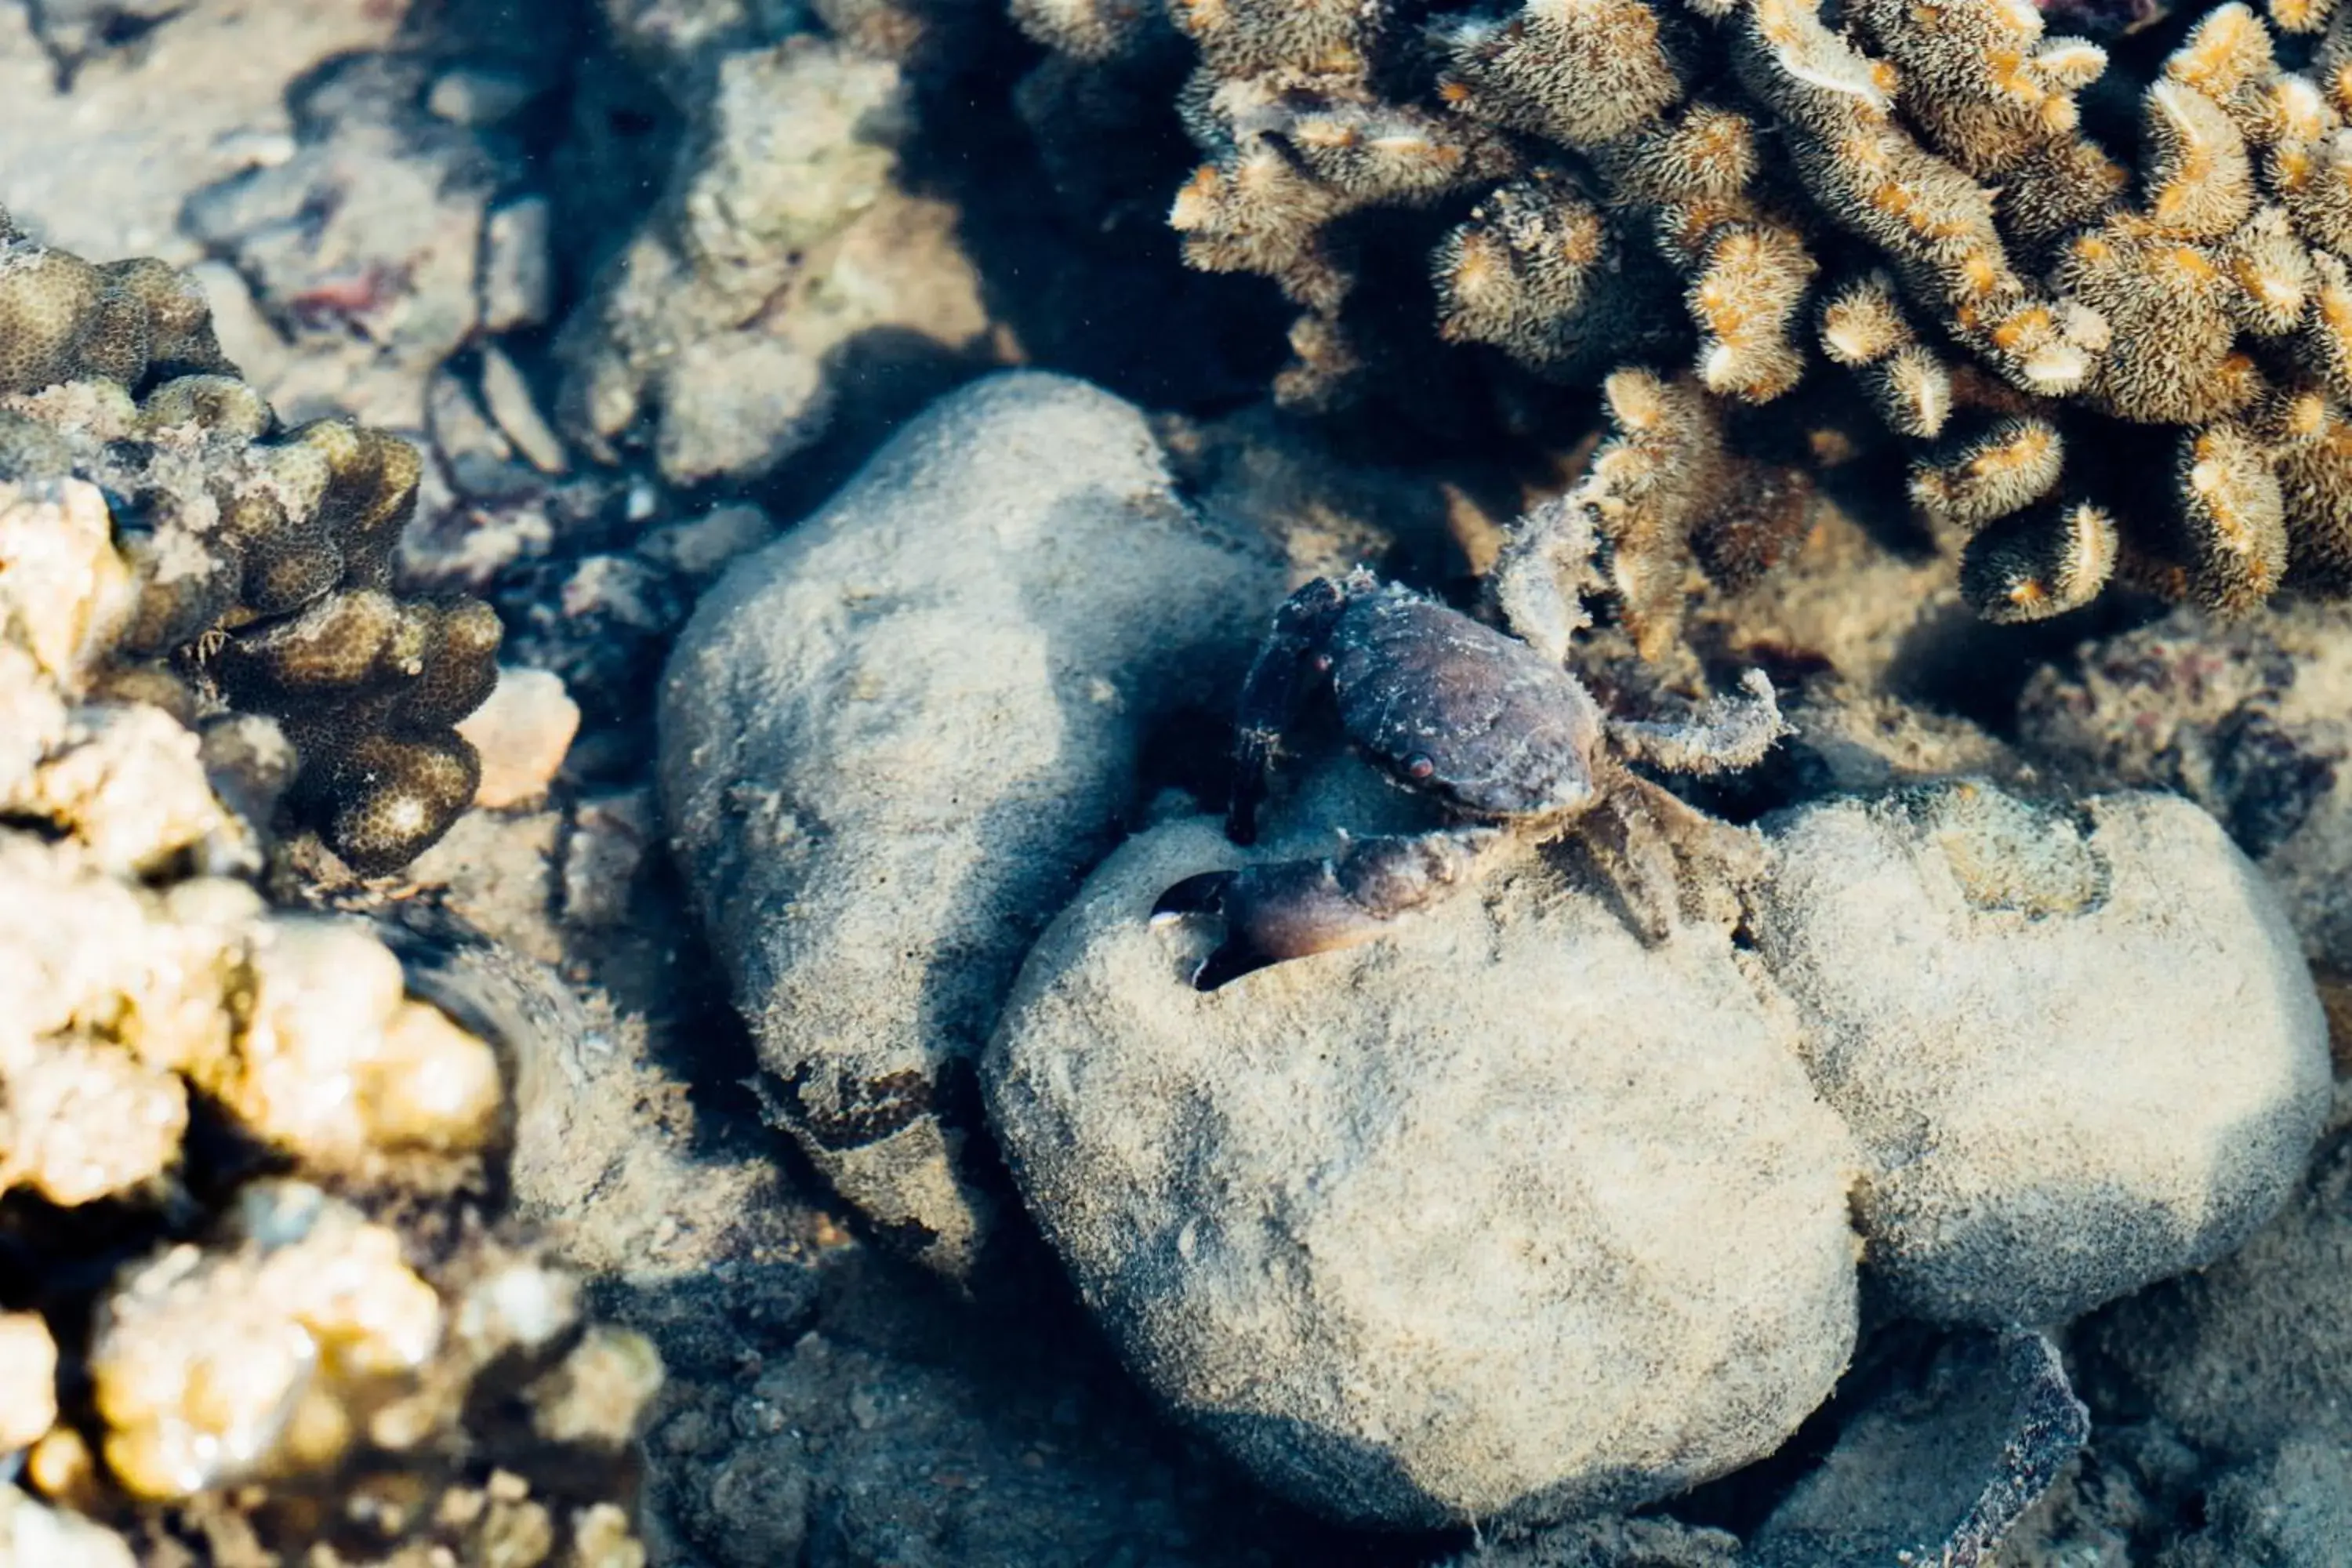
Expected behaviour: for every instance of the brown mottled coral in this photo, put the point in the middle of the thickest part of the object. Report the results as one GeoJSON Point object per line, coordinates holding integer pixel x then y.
{"type": "Point", "coordinates": [263, 555]}
{"type": "Point", "coordinates": [1906, 190]}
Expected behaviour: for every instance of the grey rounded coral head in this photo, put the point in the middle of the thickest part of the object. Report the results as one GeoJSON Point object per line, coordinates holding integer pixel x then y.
{"type": "Point", "coordinates": [263, 555]}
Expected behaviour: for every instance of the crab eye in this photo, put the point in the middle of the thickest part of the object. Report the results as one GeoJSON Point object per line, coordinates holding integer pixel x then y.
{"type": "Point", "coordinates": [1322, 664]}
{"type": "Point", "coordinates": [1419, 768]}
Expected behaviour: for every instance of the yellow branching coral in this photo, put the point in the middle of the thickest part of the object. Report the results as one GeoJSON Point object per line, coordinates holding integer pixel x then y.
{"type": "Point", "coordinates": [1297, 139]}
{"type": "Point", "coordinates": [1539, 272]}
{"type": "Point", "coordinates": [1581, 72]}
{"type": "Point", "coordinates": [1670, 501]}
{"type": "Point", "coordinates": [1991, 475]}
{"type": "Point", "coordinates": [2035, 565]}
{"type": "Point", "coordinates": [1866, 328]}
{"type": "Point", "coordinates": [1714, 198]}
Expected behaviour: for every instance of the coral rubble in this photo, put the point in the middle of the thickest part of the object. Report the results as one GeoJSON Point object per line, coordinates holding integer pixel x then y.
{"type": "Point", "coordinates": [262, 556]}
{"type": "Point", "coordinates": [1910, 200]}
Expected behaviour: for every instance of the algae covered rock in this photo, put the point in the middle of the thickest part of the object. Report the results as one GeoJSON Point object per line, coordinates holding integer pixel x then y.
{"type": "Point", "coordinates": [1608, 1542]}
{"type": "Point", "coordinates": [1506, 1217]}
{"type": "Point", "coordinates": [2293, 1509]}
{"type": "Point", "coordinates": [1936, 1462]}
{"type": "Point", "coordinates": [782, 281]}
{"type": "Point", "coordinates": [2080, 1049]}
{"type": "Point", "coordinates": [893, 740]}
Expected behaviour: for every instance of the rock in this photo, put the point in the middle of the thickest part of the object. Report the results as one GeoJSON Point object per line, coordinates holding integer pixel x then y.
{"type": "Point", "coordinates": [364, 244]}
{"type": "Point", "coordinates": [611, 832]}
{"type": "Point", "coordinates": [1502, 1217]}
{"type": "Point", "coordinates": [522, 733]}
{"type": "Point", "coordinates": [993, 1451]}
{"type": "Point", "coordinates": [32, 1534]}
{"type": "Point", "coordinates": [602, 622]}
{"type": "Point", "coordinates": [2252, 720]}
{"type": "Point", "coordinates": [1609, 1544]}
{"type": "Point", "coordinates": [674, 1207]}
{"type": "Point", "coordinates": [1938, 1464]}
{"type": "Point", "coordinates": [2080, 1050]}
{"type": "Point", "coordinates": [479, 456]}
{"type": "Point", "coordinates": [676, 40]}
{"type": "Point", "coordinates": [701, 548]}
{"type": "Point", "coordinates": [75, 31]}
{"type": "Point", "coordinates": [783, 288]}
{"type": "Point", "coordinates": [2293, 1510]}
{"type": "Point", "coordinates": [893, 740]}
{"type": "Point", "coordinates": [594, 1396]}
{"type": "Point", "coordinates": [508, 396]}
{"type": "Point", "coordinates": [246, 335]}
{"type": "Point", "coordinates": [518, 265]}
{"type": "Point", "coordinates": [756, 189]}
{"type": "Point", "coordinates": [2256, 1350]}
{"type": "Point", "coordinates": [28, 1380]}
{"type": "Point", "coordinates": [103, 170]}
{"type": "Point", "coordinates": [477, 96]}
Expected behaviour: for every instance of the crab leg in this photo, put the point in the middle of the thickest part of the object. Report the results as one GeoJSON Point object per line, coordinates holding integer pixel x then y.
{"type": "Point", "coordinates": [1725, 734]}
{"type": "Point", "coordinates": [1270, 697]}
{"type": "Point", "coordinates": [1546, 569]}
{"type": "Point", "coordinates": [1648, 841]}
{"type": "Point", "coordinates": [1289, 909]}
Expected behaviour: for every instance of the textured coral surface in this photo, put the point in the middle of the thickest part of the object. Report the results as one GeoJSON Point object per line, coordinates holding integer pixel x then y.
{"type": "Point", "coordinates": [263, 555]}
{"type": "Point", "coordinates": [250, 1204]}
{"type": "Point", "coordinates": [2096, 291]}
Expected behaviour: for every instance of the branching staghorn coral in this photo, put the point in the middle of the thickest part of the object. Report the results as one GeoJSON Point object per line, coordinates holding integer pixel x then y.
{"type": "Point", "coordinates": [263, 556]}
{"type": "Point", "coordinates": [1737, 199]}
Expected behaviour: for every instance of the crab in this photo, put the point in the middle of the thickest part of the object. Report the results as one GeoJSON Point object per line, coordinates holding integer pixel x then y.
{"type": "Point", "coordinates": [1495, 727]}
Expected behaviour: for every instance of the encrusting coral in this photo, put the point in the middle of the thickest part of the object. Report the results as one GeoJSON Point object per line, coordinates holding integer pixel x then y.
{"type": "Point", "coordinates": [262, 557]}
{"type": "Point", "coordinates": [1901, 196]}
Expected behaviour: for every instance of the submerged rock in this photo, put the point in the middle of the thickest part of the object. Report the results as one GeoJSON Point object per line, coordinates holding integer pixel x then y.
{"type": "Point", "coordinates": [2291, 1511]}
{"type": "Point", "coordinates": [893, 740]}
{"type": "Point", "coordinates": [1608, 1543]}
{"type": "Point", "coordinates": [1507, 1217]}
{"type": "Point", "coordinates": [2081, 1050]}
{"type": "Point", "coordinates": [2255, 1351]}
{"type": "Point", "coordinates": [2252, 720]}
{"type": "Point", "coordinates": [1938, 1464]}
{"type": "Point", "coordinates": [784, 283]}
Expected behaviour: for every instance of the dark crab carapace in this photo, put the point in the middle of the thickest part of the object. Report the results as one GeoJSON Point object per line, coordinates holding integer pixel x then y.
{"type": "Point", "coordinates": [1506, 739]}
{"type": "Point", "coordinates": [1435, 700]}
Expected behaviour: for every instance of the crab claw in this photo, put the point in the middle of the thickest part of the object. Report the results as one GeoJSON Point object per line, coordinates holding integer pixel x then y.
{"type": "Point", "coordinates": [1290, 909]}
{"type": "Point", "coordinates": [1201, 895]}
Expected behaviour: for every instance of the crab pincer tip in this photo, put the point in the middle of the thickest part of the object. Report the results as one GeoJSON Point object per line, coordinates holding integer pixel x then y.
{"type": "Point", "coordinates": [1205, 894]}
{"type": "Point", "coordinates": [1231, 961]}
{"type": "Point", "coordinates": [1202, 895]}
